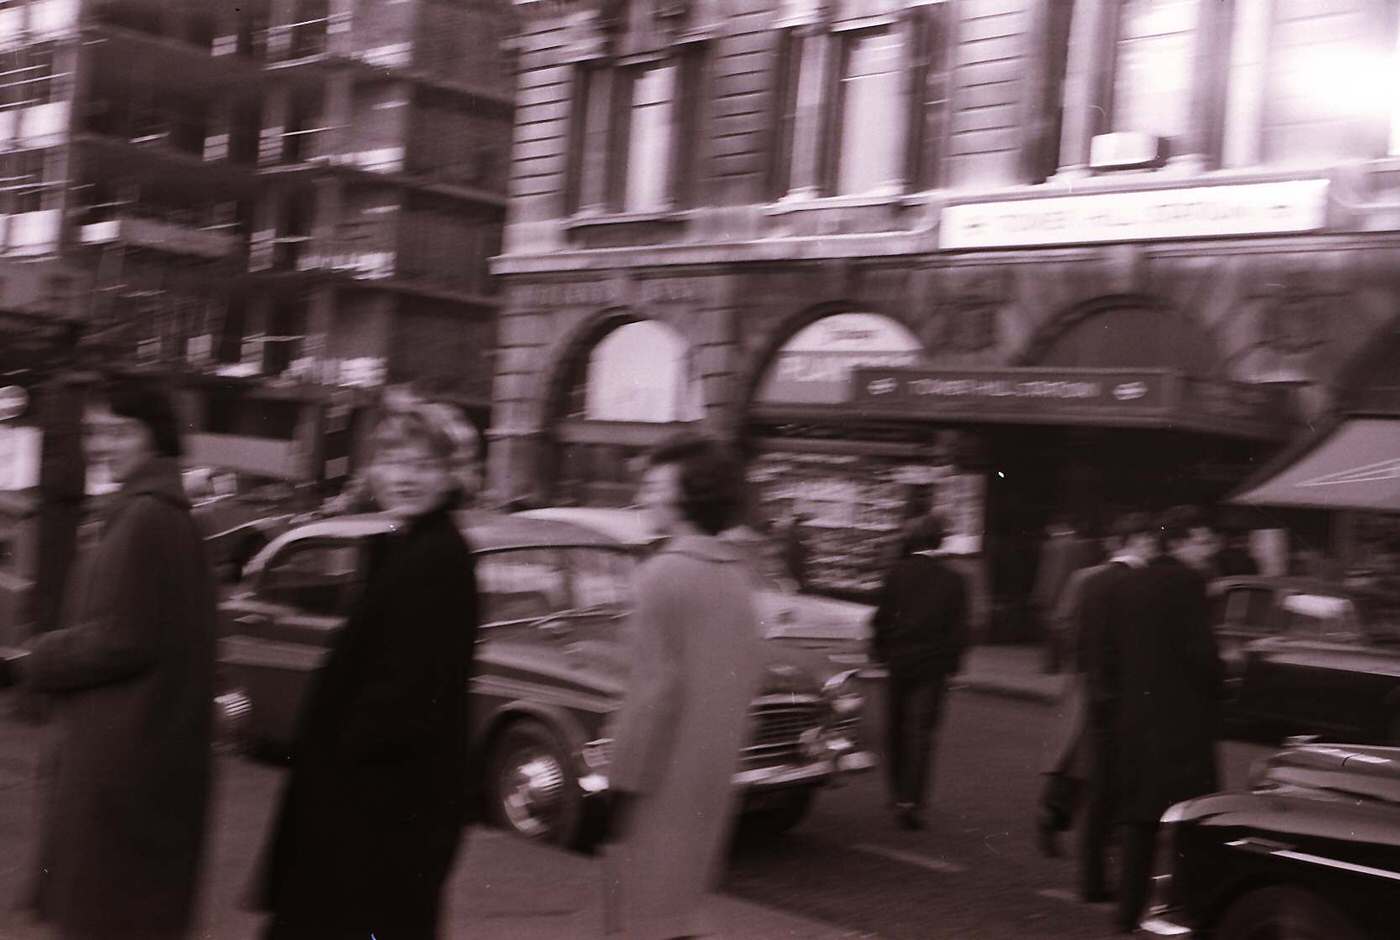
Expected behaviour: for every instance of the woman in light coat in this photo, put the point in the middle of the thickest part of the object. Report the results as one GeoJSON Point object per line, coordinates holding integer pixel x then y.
{"type": "Point", "coordinates": [696, 664]}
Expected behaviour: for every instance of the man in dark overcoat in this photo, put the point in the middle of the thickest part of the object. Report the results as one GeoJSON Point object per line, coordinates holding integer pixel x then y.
{"type": "Point", "coordinates": [375, 804]}
{"type": "Point", "coordinates": [1106, 608]}
{"type": "Point", "coordinates": [919, 633]}
{"type": "Point", "coordinates": [1170, 699]}
{"type": "Point", "coordinates": [131, 679]}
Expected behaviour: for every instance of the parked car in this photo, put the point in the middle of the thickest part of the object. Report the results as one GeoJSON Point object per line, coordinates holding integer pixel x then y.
{"type": "Point", "coordinates": [1248, 607]}
{"type": "Point", "coordinates": [551, 667]}
{"type": "Point", "coordinates": [1311, 851]}
{"type": "Point", "coordinates": [838, 629]}
{"type": "Point", "coordinates": [1323, 658]}
{"type": "Point", "coordinates": [237, 518]}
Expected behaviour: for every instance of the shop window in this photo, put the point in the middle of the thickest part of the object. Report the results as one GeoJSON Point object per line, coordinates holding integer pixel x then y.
{"type": "Point", "coordinates": [814, 366]}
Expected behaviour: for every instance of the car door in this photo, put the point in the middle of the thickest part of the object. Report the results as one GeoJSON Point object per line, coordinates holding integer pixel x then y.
{"type": "Point", "coordinates": [1315, 662]}
{"type": "Point", "coordinates": [302, 596]}
{"type": "Point", "coordinates": [1242, 613]}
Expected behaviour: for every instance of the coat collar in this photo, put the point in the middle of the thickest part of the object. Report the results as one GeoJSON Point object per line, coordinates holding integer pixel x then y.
{"type": "Point", "coordinates": [158, 477]}
{"type": "Point", "coordinates": [703, 547]}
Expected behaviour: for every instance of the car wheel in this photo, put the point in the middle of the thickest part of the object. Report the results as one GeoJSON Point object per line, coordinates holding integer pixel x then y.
{"type": "Point", "coordinates": [783, 818]}
{"type": "Point", "coordinates": [1284, 913]}
{"type": "Point", "coordinates": [532, 787]}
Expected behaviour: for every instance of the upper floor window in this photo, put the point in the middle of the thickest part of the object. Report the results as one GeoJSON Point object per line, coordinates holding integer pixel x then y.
{"type": "Point", "coordinates": [651, 146]}
{"type": "Point", "coordinates": [27, 77]}
{"type": "Point", "coordinates": [873, 113]}
{"type": "Point", "coordinates": [860, 105]}
{"type": "Point", "coordinates": [1155, 66]}
{"type": "Point", "coordinates": [633, 131]}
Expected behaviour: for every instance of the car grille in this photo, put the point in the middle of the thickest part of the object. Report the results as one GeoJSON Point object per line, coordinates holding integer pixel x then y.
{"type": "Point", "coordinates": [778, 726]}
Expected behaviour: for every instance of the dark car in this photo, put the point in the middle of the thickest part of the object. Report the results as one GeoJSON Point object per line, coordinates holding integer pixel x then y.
{"type": "Point", "coordinates": [1312, 851]}
{"type": "Point", "coordinates": [551, 667]}
{"type": "Point", "coordinates": [1248, 607]}
{"type": "Point", "coordinates": [1323, 658]}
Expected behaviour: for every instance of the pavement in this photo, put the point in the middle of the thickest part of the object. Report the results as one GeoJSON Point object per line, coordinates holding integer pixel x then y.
{"type": "Point", "coordinates": [1011, 671]}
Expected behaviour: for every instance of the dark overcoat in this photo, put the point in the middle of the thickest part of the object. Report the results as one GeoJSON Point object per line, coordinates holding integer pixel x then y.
{"type": "Point", "coordinates": [1171, 693]}
{"type": "Point", "coordinates": [919, 626]}
{"type": "Point", "coordinates": [374, 806]}
{"type": "Point", "coordinates": [132, 685]}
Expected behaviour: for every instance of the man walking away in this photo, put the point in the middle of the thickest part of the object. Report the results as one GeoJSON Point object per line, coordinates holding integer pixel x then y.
{"type": "Point", "coordinates": [1171, 686]}
{"type": "Point", "coordinates": [1063, 553]}
{"type": "Point", "coordinates": [1067, 768]}
{"type": "Point", "coordinates": [696, 665]}
{"type": "Point", "coordinates": [1107, 606]}
{"type": "Point", "coordinates": [920, 631]}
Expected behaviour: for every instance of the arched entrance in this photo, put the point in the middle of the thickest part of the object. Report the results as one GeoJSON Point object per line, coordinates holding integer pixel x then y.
{"type": "Point", "coordinates": [627, 384]}
{"type": "Point", "coordinates": [848, 485]}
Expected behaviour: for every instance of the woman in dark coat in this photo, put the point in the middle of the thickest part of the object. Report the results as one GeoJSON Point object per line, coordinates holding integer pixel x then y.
{"type": "Point", "coordinates": [132, 685]}
{"type": "Point", "coordinates": [373, 811]}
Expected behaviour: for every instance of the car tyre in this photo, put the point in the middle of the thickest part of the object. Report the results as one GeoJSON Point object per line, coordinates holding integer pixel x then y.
{"type": "Point", "coordinates": [531, 785]}
{"type": "Point", "coordinates": [781, 819]}
{"type": "Point", "coordinates": [1284, 913]}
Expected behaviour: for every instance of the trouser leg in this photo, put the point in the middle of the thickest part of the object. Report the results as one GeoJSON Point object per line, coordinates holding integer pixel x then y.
{"type": "Point", "coordinates": [895, 738]}
{"type": "Point", "coordinates": [1099, 809]}
{"type": "Point", "coordinates": [1059, 797]}
{"type": "Point", "coordinates": [1139, 845]}
{"type": "Point", "coordinates": [925, 707]}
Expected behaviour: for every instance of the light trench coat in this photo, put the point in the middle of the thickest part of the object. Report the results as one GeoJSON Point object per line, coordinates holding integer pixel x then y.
{"type": "Point", "coordinates": [697, 659]}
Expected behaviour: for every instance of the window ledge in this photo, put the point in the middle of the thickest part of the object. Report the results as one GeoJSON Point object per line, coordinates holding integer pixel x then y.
{"type": "Point", "coordinates": [665, 216]}
{"type": "Point", "coordinates": [804, 204]}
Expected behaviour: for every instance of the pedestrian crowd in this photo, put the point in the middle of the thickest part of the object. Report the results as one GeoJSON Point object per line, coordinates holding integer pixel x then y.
{"type": "Point", "coordinates": [1143, 709]}
{"type": "Point", "coordinates": [377, 800]}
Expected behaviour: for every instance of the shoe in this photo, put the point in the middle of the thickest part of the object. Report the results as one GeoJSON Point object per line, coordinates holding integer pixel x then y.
{"type": "Point", "coordinates": [1047, 837]}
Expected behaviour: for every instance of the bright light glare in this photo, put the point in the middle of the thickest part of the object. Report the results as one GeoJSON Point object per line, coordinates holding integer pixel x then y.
{"type": "Point", "coordinates": [1345, 84]}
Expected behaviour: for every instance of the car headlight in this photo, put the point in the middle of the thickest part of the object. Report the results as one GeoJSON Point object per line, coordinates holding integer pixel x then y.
{"type": "Point", "coordinates": [843, 694]}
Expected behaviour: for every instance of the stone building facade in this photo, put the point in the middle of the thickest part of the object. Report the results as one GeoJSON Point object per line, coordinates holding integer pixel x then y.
{"type": "Point", "coordinates": [1004, 193]}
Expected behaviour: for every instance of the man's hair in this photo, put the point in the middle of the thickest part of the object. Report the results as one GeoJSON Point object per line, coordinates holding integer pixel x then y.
{"type": "Point", "coordinates": [710, 479]}
{"type": "Point", "coordinates": [925, 534]}
{"type": "Point", "coordinates": [146, 399]}
{"type": "Point", "coordinates": [1131, 524]}
{"type": "Point", "coordinates": [1177, 522]}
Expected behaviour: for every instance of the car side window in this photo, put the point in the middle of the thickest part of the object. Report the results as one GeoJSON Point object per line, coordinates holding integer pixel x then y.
{"type": "Point", "coordinates": [1247, 607]}
{"type": "Point", "coordinates": [602, 577]}
{"type": "Point", "coordinates": [1320, 617]}
{"type": "Point", "coordinates": [315, 577]}
{"type": "Point", "coordinates": [521, 584]}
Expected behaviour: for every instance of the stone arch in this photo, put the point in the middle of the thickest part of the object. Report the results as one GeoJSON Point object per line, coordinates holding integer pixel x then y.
{"type": "Point", "coordinates": [568, 466]}
{"type": "Point", "coordinates": [1157, 336]}
{"type": "Point", "coordinates": [759, 361]}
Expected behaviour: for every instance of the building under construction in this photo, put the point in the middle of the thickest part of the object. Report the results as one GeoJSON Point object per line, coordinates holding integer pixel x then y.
{"type": "Point", "coordinates": [286, 203]}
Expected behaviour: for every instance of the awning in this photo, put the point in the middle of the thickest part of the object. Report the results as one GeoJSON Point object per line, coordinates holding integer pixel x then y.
{"type": "Point", "coordinates": [1354, 465]}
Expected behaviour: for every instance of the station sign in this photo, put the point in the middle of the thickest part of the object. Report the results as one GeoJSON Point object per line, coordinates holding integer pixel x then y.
{"type": "Point", "coordinates": [1108, 397]}
{"type": "Point", "coordinates": [1142, 215]}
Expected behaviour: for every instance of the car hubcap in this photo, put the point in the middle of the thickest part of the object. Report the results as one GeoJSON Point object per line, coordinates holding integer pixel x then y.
{"type": "Point", "coordinates": [534, 785]}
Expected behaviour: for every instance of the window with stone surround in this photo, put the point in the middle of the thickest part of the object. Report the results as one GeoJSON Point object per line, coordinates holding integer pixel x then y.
{"type": "Point", "coordinates": [635, 111]}
{"type": "Point", "coordinates": [860, 99]}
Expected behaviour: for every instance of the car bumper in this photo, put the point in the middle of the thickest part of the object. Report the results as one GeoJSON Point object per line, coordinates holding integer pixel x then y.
{"type": "Point", "coordinates": [1167, 923]}
{"type": "Point", "coordinates": [776, 777]}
